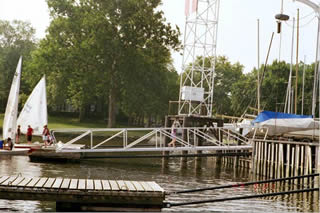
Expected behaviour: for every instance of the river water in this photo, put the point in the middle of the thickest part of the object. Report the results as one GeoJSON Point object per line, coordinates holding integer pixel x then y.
{"type": "Point", "coordinates": [171, 177]}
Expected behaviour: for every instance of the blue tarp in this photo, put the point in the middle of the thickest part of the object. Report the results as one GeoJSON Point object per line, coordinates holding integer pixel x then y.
{"type": "Point", "coordinates": [266, 115]}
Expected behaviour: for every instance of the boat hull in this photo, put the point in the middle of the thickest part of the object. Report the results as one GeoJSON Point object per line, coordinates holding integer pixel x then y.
{"type": "Point", "coordinates": [14, 151]}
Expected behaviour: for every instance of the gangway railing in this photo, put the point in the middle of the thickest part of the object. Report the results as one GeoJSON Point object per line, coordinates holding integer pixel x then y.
{"type": "Point", "coordinates": [186, 137]}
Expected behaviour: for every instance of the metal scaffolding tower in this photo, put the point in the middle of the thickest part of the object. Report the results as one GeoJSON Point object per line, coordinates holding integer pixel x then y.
{"type": "Point", "coordinates": [199, 55]}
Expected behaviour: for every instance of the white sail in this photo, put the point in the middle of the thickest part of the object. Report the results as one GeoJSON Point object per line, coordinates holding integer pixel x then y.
{"type": "Point", "coordinates": [34, 112]}
{"type": "Point", "coordinates": [11, 114]}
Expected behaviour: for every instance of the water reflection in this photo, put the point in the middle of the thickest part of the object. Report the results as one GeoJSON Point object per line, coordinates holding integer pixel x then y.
{"type": "Point", "coordinates": [171, 175]}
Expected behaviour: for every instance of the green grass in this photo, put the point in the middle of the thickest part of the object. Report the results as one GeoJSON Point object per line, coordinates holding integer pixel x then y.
{"type": "Point", "coordinates": [66, 122]}
{"type": "Point", "coordinates": [58, 122]}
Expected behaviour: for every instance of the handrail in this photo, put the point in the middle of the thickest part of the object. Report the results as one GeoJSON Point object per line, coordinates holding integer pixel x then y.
{"type": "Point", "coordinates": [159, 135]}
{"type": "Point", "coordinates": [75, 139]}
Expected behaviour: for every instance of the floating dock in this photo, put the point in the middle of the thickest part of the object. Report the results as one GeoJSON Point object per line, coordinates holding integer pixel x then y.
{"type": "Point", "coordinates": [85, 194]}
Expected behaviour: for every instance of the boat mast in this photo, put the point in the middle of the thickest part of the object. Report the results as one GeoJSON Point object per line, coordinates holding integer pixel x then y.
{"type": "Point", "coordinates": [258, 74]}
{"type": "Point", "coordinates": [297, 66]}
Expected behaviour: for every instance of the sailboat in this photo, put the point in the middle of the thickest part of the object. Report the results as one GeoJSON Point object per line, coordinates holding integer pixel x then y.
{"type": "Point", "coordinates": [34, 113]}
{"type": "Point", "coordinates": [11, 113]}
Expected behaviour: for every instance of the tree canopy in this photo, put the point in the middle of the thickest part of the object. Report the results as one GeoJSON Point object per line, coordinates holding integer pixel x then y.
{"type": "Point", "coordinates": [115, 52]}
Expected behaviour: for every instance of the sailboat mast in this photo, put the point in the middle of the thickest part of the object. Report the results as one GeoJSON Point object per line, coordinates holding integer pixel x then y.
{"type": "Point", "coordinates": [258, 74]}
{"type": "Point", "coordinates": [288, 97]}
{"type": "Point", "coordinates": [297, 66]}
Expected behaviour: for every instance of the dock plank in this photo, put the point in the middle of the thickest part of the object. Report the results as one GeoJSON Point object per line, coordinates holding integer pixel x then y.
{"type": "Point", "coordinates": [130, 186]}
{"type": "Point", "coordinates": [90, 184]}
{"type": "Point", "coordinates": [9, 181]}
{"type": "Point", "coordinates": [97, 185]}
{"type": "Point", "coordinates": [57, 183]}
{"type": "Point", "coordinates": [41, 182]}
{"type": "Point", "coordinates": [122, 185]}
{"type": "Point", "coordinates": [17, 181]}
{"type": "Point", "coordinates": [73, 184]}
{"type": "Point", "coordinates": [24, 182]}
{"type": "Point", "coordinates": [65, 184]}
{"type": "Point", "coordinates": [138, 186]}
{"type": "Point", "coordinates": [33, 182]}
{"type": "Point", "coordinates": [3, 178]}
{"type": "Point", "coordinates": [82, 184]}
{"type": "Point", "coordinates": [49, 183]}
{"type": "Point", "coordinates": [155, 186]}
{"type": "Point", "coordinates": [146, 186]}
{"type": "Point", "coordinates": [114, 185]}
{"type": "Point", "coordinates": [106, 185]}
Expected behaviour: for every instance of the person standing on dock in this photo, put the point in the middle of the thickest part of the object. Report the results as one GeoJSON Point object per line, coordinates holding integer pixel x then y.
{"type": "Point", "coordinates": [174, 127]}
{"type": "Point", "coordinates": [29, 134]}
{"type": "Point", "coordinates": [18, 134]}
{"type": "Point", "coordinates": [46, 135]}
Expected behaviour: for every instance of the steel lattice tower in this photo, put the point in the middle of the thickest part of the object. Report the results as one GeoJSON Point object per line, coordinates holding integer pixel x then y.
{"type": "Point", "coordinates": [198, 64]}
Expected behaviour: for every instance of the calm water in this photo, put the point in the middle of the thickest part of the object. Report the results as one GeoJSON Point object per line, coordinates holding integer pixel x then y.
{"type": "Point", "coordinates": [171, 177]}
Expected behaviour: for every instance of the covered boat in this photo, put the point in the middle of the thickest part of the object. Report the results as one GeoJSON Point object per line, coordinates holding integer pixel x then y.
{"type": "Point", "coordinates": [277, 123]}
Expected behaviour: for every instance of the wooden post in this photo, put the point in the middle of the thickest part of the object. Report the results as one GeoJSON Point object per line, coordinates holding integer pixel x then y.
{"type": "Point", "coordinates": [280, 170]}
{"type": "Point", "coordinates": [265, 159]}
{"type": "Point", "coordinates": [183, 160]}
{"type": "Point", "coordinates": [253, 157]}
{"type": "Point", "coordinates": [317, 167]}
{"type": "Point", "coordinates": [272, 160]}
{"type": "Point", "coordinates": [258, 158]}
{"type": "Point", "coordinates": [288, 160]}
{"type": "Point", "coordinates": [297, 161]}
{"type": "Point", "coordinates": [268, 159]}
{"type": "Point", "coordinates": [306, 163]}
{"type": "Point", "coordinates": [292, 162]}
{"type": "Point", "coordinates": [165, 159]}
{"type": "Point", "coordinates": [301, 162]}
{"type": "Point", "coordinates": [276, 161]}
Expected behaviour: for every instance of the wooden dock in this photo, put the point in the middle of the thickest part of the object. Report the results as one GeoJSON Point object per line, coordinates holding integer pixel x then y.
{"type": "Point", "coordinates": [85, 194]}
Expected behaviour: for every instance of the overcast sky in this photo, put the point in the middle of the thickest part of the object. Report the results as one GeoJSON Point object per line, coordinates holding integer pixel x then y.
{"type": "Point", "coordinates": [237, 31]}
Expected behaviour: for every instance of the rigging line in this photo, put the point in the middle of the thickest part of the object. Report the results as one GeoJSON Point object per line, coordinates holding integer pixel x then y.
{"type": "Point", "coordinates": [303, 17]}
{"type": "Point", "coordinates": [301, 26]}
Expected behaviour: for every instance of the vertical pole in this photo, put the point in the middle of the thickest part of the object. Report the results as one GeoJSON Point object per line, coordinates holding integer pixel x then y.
{"type": "Point", "coordinates": [303, 78]}
{"type": "Point", "coordinates": [183, 160]}
{"type": "Point", "coordinates": [258, 74]}
{"type": "Point", "coordinates": [297, 66]}
{"type": "Point", "coordinates": [297, 163]}
{"type": "Point", "coordinates": [272, 160]}
{"type": "Point", "coordinates": [91, 139]}
{"type": "Point", "coordinates": [165, 141]}
{"type": "Point", "coordinates": [316, 75]}
{"type": "Point", "coordinates": [290, 75]}
{"type": "Point", "coordinates": [317, 166]}
{"type": "Point", "coordinates": [288, 160]}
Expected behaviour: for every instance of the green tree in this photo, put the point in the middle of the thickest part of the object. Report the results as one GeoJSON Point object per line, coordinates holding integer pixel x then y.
{"type": "Point", "coordinates": [97, 49]}
{"type": "Point", "coordinates": [16, 39]}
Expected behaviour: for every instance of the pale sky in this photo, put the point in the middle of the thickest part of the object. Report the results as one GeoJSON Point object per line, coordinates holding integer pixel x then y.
{"type": "Point", "coordinates": [237, 28]}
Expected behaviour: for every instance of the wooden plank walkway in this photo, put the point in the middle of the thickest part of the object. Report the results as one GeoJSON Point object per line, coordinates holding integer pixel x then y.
{"type": "Point", "coordinates": [114, 194]}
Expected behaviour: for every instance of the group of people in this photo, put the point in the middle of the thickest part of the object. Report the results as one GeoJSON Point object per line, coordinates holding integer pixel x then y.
{"type": "Point", "coordinates": [46, 138]}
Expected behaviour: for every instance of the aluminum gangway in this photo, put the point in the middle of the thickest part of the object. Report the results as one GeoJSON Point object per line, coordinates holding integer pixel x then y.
{"type": "Point", "coordinates": [153, 139]}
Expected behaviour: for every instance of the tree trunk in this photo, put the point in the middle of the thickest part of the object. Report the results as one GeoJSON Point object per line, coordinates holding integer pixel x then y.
{"type": "Point", "coordinates": [112, 97]}
{"type": "Point", "coordinates": [112, 109]}
{"type": "Point", "coordinates": [82, 113]}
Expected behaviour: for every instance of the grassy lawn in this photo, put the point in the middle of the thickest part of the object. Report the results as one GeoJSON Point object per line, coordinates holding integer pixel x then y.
{"type": "Point", "coordinates": [58, 122]}
{"type": "Point", "coordinates": [55, 122]}
{"type": "Point", "coordinates": [62, 122]}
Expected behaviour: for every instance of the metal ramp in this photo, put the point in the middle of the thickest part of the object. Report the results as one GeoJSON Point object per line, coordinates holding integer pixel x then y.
{"type": "Point", "coordinates": [153, 139]}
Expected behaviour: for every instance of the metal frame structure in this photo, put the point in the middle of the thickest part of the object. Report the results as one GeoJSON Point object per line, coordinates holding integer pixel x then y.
{"type": "Point", "coordinates": [199, 55]}
{"type": "Point", "coordinates": [225, 139]}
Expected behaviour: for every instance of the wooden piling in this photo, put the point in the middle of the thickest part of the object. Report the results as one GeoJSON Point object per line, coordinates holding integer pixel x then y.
{"type": "Point", "coordinates": [297, 162]}
{"type": "Point", "coordinates": [272, 161]}
{"type": "Point", "coordinates": [288, 160]}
